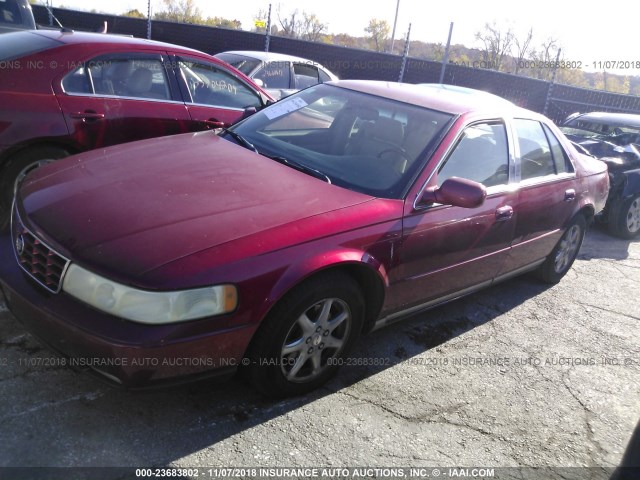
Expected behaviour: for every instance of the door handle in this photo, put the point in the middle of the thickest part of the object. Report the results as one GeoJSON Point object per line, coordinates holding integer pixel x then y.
{"type": "Point", "coordinates": [504, 213]}
{"type": "Point", "coordinates": [87, 115]}
{"type": "Point", "coordinates": [569, 195]}
{"type": "Point", "coordinates": [213, 123]}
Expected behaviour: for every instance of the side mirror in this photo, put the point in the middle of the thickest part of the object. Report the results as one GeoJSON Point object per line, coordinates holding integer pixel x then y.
{"type": "Point", "coordinates": [259, 82]}
{"type": "Point", "coordinates": [456, 191]}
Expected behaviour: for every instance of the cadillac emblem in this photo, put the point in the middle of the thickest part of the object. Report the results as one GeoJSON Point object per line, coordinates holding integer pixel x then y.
{"type": "Point", "coordinates": [20, 244]}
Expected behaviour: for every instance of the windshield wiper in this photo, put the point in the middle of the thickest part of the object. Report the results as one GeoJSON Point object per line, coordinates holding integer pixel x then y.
{"type": "Point", "coordinates": [241, 140]}
{"type": "Point", "coordinates": [298, 166]}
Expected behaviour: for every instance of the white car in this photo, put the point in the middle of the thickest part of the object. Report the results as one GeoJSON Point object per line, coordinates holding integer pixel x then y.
{"type": "Point", "coordinates": [279, 74]}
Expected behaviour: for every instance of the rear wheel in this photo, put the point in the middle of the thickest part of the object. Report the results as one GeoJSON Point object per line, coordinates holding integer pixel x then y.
{"type": "Point", "coordinates": [564, 253]}
{"type": "Point", "coordinates": [303, 340]}
{"type": "Point", "coordinates": [625, 218]}
{"type": "Point", "coordinates": [18, 167]}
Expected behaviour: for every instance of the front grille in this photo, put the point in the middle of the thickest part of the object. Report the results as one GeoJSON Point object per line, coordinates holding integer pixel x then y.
{"type": "Point", "coordinates": [41, 262]}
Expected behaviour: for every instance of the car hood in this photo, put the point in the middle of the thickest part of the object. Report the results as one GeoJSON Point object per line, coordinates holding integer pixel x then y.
{"type": "Point", "coordinates": [126, 210]}
{"type": "Point", "coordinates": [617, 157]}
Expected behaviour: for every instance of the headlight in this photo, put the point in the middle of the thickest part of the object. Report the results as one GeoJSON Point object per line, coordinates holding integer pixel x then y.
{"type": "Point", "coordinates": [148, 307]}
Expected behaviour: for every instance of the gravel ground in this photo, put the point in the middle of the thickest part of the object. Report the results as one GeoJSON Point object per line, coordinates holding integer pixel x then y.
{"type": "Point", "coordinates": [519, 375]}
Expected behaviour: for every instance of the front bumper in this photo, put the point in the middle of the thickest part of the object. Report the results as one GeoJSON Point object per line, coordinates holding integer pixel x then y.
{"type": "Point", "coordinates": [126, 353]}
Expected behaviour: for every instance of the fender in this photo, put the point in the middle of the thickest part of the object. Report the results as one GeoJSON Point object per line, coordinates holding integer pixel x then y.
{"type": "Point", "coordinates": [299, 272]}
{"type": "Point", "coordinates": [631, 184]}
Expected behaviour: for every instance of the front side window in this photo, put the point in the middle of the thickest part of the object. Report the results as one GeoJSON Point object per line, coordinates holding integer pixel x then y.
{"type": "Point", "coordinates": [209, 84]}
{"type": "Point", "coordinates": [275, 75]}
{"type": "Point", "coordinates": [481, 154]}
{"type": "Point", "coordinates": [536, 159]}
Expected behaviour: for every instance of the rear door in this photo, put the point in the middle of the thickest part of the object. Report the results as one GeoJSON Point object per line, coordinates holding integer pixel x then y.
{"type": "Point", "coordinates": [121, 97]}
{"type": "Point", "coordinates": [546, 194]}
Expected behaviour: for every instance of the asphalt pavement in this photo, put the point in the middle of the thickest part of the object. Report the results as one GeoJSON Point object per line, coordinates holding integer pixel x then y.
{"type": "Point", "coordinates": [518, 375]}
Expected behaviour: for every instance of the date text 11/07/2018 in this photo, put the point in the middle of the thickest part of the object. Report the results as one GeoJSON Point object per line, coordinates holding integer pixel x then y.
{"type": "Point", "coordinates": [616, 64]}
{"type": "Point", "coordinates": [316, 472]}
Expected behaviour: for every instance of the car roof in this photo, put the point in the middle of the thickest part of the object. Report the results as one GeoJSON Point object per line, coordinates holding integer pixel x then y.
{"type": "Point", "coordinates": [610, 118]}
{"type": "Point", "coordinates": [71, 37]}
{"type": "Point", "coordinates": [466, 90]}
{"type": "Point", "coordinates": [443, 99]}
{"type": "Point", "coordinates": [270, 56]}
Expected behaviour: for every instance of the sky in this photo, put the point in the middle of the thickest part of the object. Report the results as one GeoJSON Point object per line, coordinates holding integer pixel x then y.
{"type": "Point", "coordinates": [591, 34]}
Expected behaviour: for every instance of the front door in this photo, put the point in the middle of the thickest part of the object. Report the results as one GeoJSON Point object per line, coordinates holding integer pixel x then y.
{"type": "Point", "coordinates": [446, 249]}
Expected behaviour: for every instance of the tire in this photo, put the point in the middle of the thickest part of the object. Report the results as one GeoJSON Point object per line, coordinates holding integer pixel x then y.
{"type": "Point", "coordinates": [625, 218]}
{"type": "Point", "coordinates": [301, 343]}
{"type": "Point", "coordinates": [17, 167]}
{"type": "Point", "coordinates": [564, 253]}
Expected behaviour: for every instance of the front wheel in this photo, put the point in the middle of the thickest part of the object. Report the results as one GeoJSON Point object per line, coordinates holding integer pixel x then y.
{"type": "Point", "coordinates": [305, 338]}
{"type": "Point", "coordinates": [564, 253]}
{"type": "Point", "coordinates": [625, 218]}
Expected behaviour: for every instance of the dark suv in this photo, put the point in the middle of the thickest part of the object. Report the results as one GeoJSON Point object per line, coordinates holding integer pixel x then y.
{"type": "Point", "coordinates": [614, 138]}
{"type": "Point", "coordinates": [16, 15]}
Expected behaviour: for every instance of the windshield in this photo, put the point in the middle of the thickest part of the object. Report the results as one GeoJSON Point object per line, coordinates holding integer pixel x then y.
{"type": "Point", "coordinates": [245, 64]}
{"type": "Point", "coordinates": [362, 142]}
{"type": "Point", "coordinates": [618, 134]}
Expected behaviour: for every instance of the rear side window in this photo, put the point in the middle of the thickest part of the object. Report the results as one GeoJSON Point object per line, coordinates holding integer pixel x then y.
{"type": "Point", "coordinates": [324, 76]}
{"type": "Point", "coordinates": [306, 75]}
{"type": "Point", "coordinates": [122, 77]}
{"type": "Point", "coordinates": [560, 157]}
{"type": "Point", "coordinates": [536, 159]}
{"type": "Point", "coordinates": [20, 44]}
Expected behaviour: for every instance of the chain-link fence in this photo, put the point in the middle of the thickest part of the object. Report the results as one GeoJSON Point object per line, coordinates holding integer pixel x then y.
{"type": "Point", "coordinates": [350, 63]}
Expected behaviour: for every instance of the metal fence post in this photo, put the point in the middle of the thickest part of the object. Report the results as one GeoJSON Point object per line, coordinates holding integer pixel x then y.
{"type": "Point", "coordinates": [266, 43]}
{"type": "Point", "coordinates": [445, 59]}
{"type": "Point", "coordinates": [149, 20]}
{"type": "Point", "coordinates": [393, 35]}
{"type": "Point", "coordinates": [49, 7]}
{"type": "Point", "coordinates": [405, 55]}
{"type": "Point", "coordinates": [553, 81]}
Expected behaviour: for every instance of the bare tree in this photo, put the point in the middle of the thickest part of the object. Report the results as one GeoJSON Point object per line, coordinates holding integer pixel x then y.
{"type": "Point", "coordinates": [544, 56]}
{"type": "Point", "coordinates": [184, 11]}
{"type": "Point", "coordinates": [497, 44]}
{"type": "Point", "coordinates": [289, 26]}
{"type": "Point", "coordinates": [312, 28]}
{"type": "Point", "coordinates": [306, 26]}
{"type": "Point", "coordinates": [378, 31]}
{"type": "Point", "coordinates": [523, 46]}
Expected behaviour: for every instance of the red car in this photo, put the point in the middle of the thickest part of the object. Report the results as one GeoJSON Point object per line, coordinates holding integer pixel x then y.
{"type": "Point", "coordinates": [271, 246]}
{"type": "Point", "coordinates": [64, 92]}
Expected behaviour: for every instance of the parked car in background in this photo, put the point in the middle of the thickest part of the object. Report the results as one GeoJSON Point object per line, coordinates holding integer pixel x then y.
{"type": "Point", "coordinates": [615, 139]}
{"type": "Point", "coordinates": [64, 92]}
{"type": "Point", "coordinates": [16, 15]}
{"type": "Point", "coordinates": [280, 74]}
{"type": "Point", "coordinates": [274, 244]}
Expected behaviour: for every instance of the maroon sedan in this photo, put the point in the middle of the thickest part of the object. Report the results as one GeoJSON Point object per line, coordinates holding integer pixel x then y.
{"type": "Point", "coordinates": [64, 92]}
{"type": "Point", "coordinates": [271, 246]}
